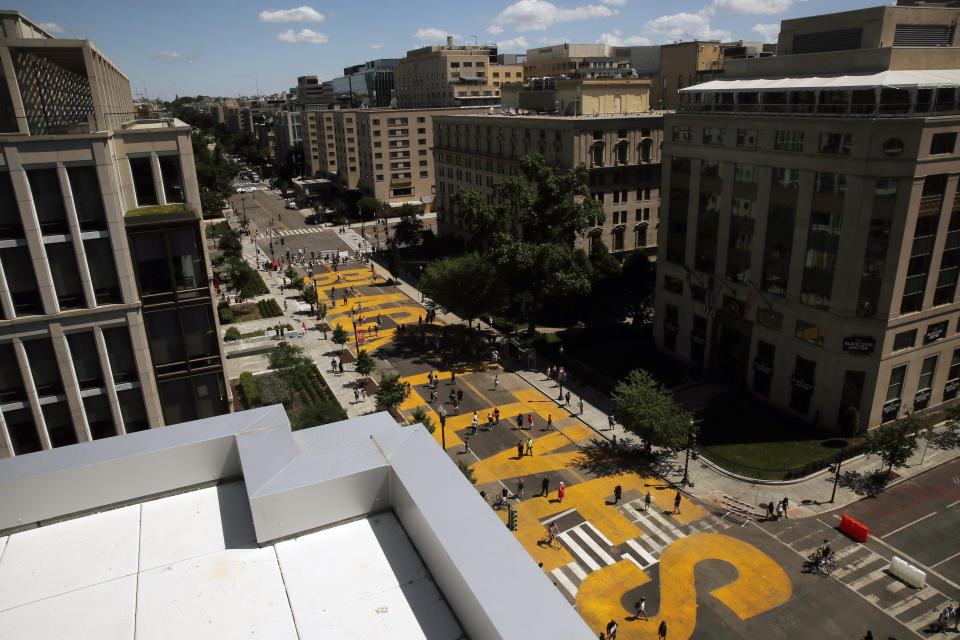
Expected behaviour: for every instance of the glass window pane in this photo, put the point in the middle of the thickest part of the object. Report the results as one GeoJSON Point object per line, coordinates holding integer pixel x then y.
{"type": "Point", "coordinates": [120, 351]}
{"type": "Point", "coordinates": [87, 198]}
{"type": "Point", "coordinates": [142, 172]}
{"type": "Point", "coordinates": [176, 399]}
{"type": "Point", "coordinates": [200, 339]}
{"type": "Point", "coordinates": [210, 395]}
{"type": "Point", "coordinates": [18, 268]}
{"type": "Point", "coordinates": [48, 200]}
{"type": "Point", "coordinates": [103, 270]}
{"type": "Point", "coordinates": [59, 424]}
{"type": "Point", "coordinates": [11, 380]}
{"type": "Point", "coordinates": [188, 268]}
{"type": "Point", "coordinates": [172, 179]}
{"type": "Point", "coordinates": [150, 256]}
{"type": "Point", "coordinates": [23, 431]}
{"type": "Point", "coordinates": [11, 226]}
{"type": "Point", "coordinates": [132, 409]}
{"type": "Point", "coordinates": [166, 342]}
{"type": "Point", "coordinates": [44, 366]}
{"type": "Point", "coordinates": [86, 360]}
{"type": "Point", "coordinates": [66, 277]}
{"type": "Point", "coordinates": [99, 417]}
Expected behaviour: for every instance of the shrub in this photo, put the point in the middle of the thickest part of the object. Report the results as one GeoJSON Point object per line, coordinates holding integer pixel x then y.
{"type": "Point", "coordinates": [226, 315]}
{"type": "Point", "coordinates": [250, 391]}
{"type": "Point", "coordinates": [232, 334]}
{"type": "Point", "coordinates": [850, 422]}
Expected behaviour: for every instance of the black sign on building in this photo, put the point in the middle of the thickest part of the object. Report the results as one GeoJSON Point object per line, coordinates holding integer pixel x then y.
{"type": "Point", "coordinates": [859, 344]}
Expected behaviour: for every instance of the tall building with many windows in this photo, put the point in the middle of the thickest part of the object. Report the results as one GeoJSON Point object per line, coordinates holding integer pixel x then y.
{"type": "Point", "coordinates": [446, 76]}
{"type": "Point", "coordinates": [106, 316]}
{"type": "Point", "coordinates": [811, 237]}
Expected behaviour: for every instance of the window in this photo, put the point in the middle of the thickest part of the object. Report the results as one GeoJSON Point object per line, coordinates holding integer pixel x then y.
{"type": "Point", "coordinates": [677, 225]}
{"type": "Point", "coordinates": [23, 432]}
{"type": "Point", "coordinates": [943, 143]}
{"type": "Point", "coordinates": [87, 198]}
{"type": "Point", "coordinates": [714, 135]}
{"type": "Point", "coordinates": [424, 174]}
{"type": "Point", "coordinates": [763, 367]}
{"type": "Point", "coordinates": [875, 254]}
{"type": "Point", "coordinates": [802, 384]}
{"type": "Point", "coordinates": [59, 424]}
{"type": "Point", "coordinates": [924, 236]}
{"type": "Point", "coordinates": [670, 326]}
{"type": "Point", "coordinates": [810, 333]}
{"type": "Point", "coordinates": [48, 201]}
{"type": "Point", "coordinates": [935, 332]}
{"type": "Point", "coordinates": [830, 183]}
{"type": "Point", "coordinates": [748, 173]}
{"type": "Point", "coordinates": [86, 360]}
{"type": "Point", "coordinates": [710, 168]}
{"type": "Point", "coordinates": [820, 260]}
{"type": "Point", "coordinates": [103, 271]}
{"type": "Point", "coordinates": [895, 387]}
{"type": "Point", "coordinates": [172, 178]}
{"type": "Point", "coordinates": [777, 249]}
{"type": "Point", "coordinates": [949, 262]}
{"type": "Point", "coordinates": [748, 138]}
{"type": "Point", "coordinates": [11, 380]}
{"type": "Point", "coordinates": [925, 383]}
{"type": "Point", "coordinates": [788, 141]}
{"type": "Point", "coordinates": [66, 277]}
{"type": "Point", "coordinates": [44, 366]}
{"type": "Point", "coordinates": [123, 366]}
{"type": "Point", "coordinates": [740, 239]}
{"type": "Point", "coordinates": [705, 246]}
{"type": "Point", "coordinates": [836, 143]}
{"type": "Point", "coordinates": [10, 224]}
{"type": "Point", "coordinates": [18, 269]}
{"type": "Point", "coordinates": [682, 134]}
{"type": "Point", "coordinates": [99, 417]}
{"type": "Point", "coordinates": [672, 284]}
{"type": "Point", "coordinates": [143, 186]}
{"type": "Point", "coordinates": [769, 318]}
{"type": "Point", "coordinates": [786, 178]}
{"type": "Point", "coordinates": [905, 340]}
{"type": "Point", "coordinates": [953, 377]}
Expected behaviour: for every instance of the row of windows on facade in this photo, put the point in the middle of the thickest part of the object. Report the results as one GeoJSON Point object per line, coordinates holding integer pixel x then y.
{"type": "Point", "coordinates": [823, 238]}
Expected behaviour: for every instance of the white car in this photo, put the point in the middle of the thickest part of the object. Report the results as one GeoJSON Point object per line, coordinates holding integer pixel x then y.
{"type": "Point", "coordinates": [291, 204]}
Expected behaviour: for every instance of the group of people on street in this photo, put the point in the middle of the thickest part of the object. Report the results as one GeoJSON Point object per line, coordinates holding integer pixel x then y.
{"type": "Point", "coordinates": [778, 510]}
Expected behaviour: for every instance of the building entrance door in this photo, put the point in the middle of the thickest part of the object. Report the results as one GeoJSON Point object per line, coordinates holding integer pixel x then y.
{"type": "Point", "coordinates": [730, 347]}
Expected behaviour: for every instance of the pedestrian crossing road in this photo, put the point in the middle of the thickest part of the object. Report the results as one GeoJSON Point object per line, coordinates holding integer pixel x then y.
{"type": "Point", "coordinates": [592, 550]}
{"type": "Point", "coordinates": [297, 232]}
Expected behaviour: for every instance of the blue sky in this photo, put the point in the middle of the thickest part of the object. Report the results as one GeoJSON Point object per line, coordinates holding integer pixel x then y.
{"type": "Point", "coordinates": [230, 49]}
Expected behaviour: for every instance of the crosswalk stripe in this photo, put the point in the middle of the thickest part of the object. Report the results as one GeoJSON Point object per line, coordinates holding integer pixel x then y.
{"type": "Point", "coordinates": [579, 553]}
{"type": "Point", "coordinates": [915, 598]}
{"type": "Point", "coordinates": [564, 581]}
{"type": "Point", "coordinates": [654, 530]}
{"type": "Point", "coordinates": [870, 578]}
{"type": "Point", "coordinates": [629, 557]}
{"type": "Point", "coordinates": [598, 533]}
{"type": "Point", "coordinates": [577, 570]}
{"type": "Point", "coordinates": [649, 559]}
{"type": "Point", "coordinates": [596, 548]}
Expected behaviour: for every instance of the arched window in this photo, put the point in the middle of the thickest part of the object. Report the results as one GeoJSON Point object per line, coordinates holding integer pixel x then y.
{"type": "Point", "coordinates": [596, 155]}
{"type": "Point", "coordinates": [618, 239]}
{"type": "Point", "coordinates": [621, 152]}
{"type": "Point", "coordinates": [645, 149]}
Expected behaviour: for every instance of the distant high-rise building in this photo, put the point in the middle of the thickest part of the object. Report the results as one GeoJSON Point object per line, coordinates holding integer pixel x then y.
{"type": "Point", "coordinates": [106, 318]}
{"type": "Point", "coordinates": [365, 85]}
{"type": "Point", "coordinates": [446, 76]}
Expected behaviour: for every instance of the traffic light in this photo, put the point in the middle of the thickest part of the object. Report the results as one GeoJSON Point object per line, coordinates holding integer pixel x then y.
{"type": "Point", "coordinates": [511, 518]}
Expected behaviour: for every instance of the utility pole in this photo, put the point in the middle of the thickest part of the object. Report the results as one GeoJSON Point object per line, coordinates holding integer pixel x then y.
{"type": "Point", "coordinates": [836, 480]}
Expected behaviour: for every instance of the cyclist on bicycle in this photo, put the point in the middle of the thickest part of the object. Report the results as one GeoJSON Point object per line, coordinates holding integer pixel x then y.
{"type": "Point", "coordinates": [823, 552]}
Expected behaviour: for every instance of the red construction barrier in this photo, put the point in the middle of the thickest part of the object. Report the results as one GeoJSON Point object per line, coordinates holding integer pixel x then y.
{"type": "Point", "coordinates": [853, 529]}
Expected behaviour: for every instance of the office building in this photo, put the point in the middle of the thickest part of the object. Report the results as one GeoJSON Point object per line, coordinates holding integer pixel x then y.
{"type": "Point", "coordinates": [107, 318]}
{"type": "Point", "coordinates": [445, 76]}
{"type": "Point", "coordinates": [811, 239]}
{"type": "Point", "coordinates": [319, 141]}
{"type": "Point", "coordinates": [365, 85]}
{"type": "Point", "coordinates": [578, 96]}
{"type": "Point", "coordinates": [235, 526]}
{"type": "Point", "coordinates": [623, 153]}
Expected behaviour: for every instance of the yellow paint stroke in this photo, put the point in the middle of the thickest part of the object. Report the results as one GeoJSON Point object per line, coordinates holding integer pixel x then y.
{"type": "Point", "coordinates": [506, 465]}
{"type": "Point", "coordinates": [761, 585]}
{"type": "Point", "coordinates": [541, 404]}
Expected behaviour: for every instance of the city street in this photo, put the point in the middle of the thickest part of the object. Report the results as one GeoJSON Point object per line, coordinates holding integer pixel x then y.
{"type": "Point", "coordinates": [705, 576]}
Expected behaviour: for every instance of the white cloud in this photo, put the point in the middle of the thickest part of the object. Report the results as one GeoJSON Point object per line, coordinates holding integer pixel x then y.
{"type": "Point", "coordinates": [304, 36]}
{"type": "Point", "coordinates": [283, 16]}
{"type": "Point", "coordinates": [52, 27]}
{"type": "Point", "coordinates": [537, 15]}
{"type": "Point", "coordinates": [378, 45]}
{"type": "Point", "coordinates": [616, 39]}
{"type": "Point", "coordinates": [759, 7]}
{"type": "Point", "coordinates": [435, 35]}
{"type": "Point", "coordinates": [686, 26]}
{"type": "Point", "coordinates": [516, 43]}
{"type": "Point", "coordinates": [172, 57]}
{"type": "Point", "coordinates": [769, 32]}
{"type": "Point", "coordinates": [615, 3]}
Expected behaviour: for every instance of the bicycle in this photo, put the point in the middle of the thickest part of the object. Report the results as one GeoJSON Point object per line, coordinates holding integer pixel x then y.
{"type": "Point", "coordinates": [551, 538]}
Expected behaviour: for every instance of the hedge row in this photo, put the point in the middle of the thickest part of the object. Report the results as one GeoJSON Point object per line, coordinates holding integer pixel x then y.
{"type": "Point", "coordinates": [819, 465]}
{"type": "Point", "coordinates": [269, 308]}
{"type": "Point", "coordinates": [249, 391]}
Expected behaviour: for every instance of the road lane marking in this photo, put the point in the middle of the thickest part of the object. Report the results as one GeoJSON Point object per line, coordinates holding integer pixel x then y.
{"type": "Point", "coordinates": [909, 524]}
{"type": "Point", "coordinates": [947, 559]}
{"type": "Point", "coordinates": [953, 504]}
{"type": "Point", "coordinates": [559, 515]}
{"type": "Point", "coordinates": [578, 552]}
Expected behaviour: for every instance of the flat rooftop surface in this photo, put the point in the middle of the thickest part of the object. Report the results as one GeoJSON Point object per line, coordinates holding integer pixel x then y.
{"type": "Point", "coordinates": [187, 566]}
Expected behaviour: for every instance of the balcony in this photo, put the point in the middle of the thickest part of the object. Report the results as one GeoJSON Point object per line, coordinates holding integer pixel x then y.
{"type": "Point", "coordinates": [161, 214]}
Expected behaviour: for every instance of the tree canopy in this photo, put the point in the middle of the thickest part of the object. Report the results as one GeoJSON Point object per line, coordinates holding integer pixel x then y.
{"type": "Point", "coordinates": [391, 392]}
{"type": "Point", "coordinates": [897, 441]}
{"type": "Point", "coordinates": [646, 408]}
{"type": "Point", "coordinates": [290, 363]}
{"type": "Point", "coordinates": [466, 285]}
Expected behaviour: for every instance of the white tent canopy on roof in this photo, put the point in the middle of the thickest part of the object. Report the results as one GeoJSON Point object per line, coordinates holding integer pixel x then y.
{"type": "Point", "coordinates": [883, 79]}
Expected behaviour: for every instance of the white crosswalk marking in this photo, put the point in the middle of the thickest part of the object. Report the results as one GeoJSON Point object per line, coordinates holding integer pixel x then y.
{"type": "Point", "coordinates": [596, 548]}
{"type": "Point", "coordinates": [578, 552]}
{"type": "Point", "coordinates": [640, 551]}
{"type": "Point", "coordinates": [597, 533]}
{"type": "Point", "coordinates": [564, 581]}
{"type": "Point", "coordinates": [577, 570]}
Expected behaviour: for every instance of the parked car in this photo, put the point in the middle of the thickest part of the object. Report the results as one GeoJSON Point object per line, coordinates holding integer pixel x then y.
{"type": "Point", "coordinates": [291, 204]}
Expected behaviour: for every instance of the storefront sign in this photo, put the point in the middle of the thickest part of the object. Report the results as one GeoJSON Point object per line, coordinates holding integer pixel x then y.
{"type": "Point", "coordinates": [890, 409]}
{"type": "Point", "coordinates": [859, 344]}
{"type": "Point", "coordinates": [921, 398]}
{"type": "Point", "coordinates": [695, 339]}
{"type": "Point", "coordinates": [935, 331]}
{"type": "Point", "coordinates": [801, 384]}
{"type": "Point", "coordinates": [762, 367]}
{"type": "Point", "coordinates": [951, 386]}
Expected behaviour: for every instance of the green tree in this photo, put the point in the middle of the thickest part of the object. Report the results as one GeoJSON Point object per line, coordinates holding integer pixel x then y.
{"type": "Point", "coordinates": [212, 203]}
{"type": "Point", "coordinates": [408, 231]}
{"type": "Point", "coordinates": [420, 416]}
{"type": "Point", "coordinates": [296, 282]}
{"type": "Point", "coordinates": [317, 414]}
{"type": "Point", "coordinates": [467, 472]}
{"type": "Point", "coordinates": [466, 286]}
{"type": "Point", "coordinates": [309, 295]}
{"type": "Point", "coordinates": [481, 218]}
{"type": "Point", "coordinates": [637, 281]}
{"type": "Point", "coordinates": [392, 258]}
{"type": "Point", "coordinates": [391, 392]}
{"type": "Point", "coordinates": [229, 245]}
{"type": "Point", "coordinates": [647, 409]}
{"type": "Point", "coordinates": [365, 363]}
{"type": "Point", "coordinates": [322, 316]}
{"type": "Point", "coordinates": [244, 279]}
{"type": "Point", "coordinates": [897, 441]}
{"type": "Point", "coordinates": [368, 207]}
{"type": "Point", "coordinates": [289, 363]}
{"type": "Point", "coordinates": [850, 421]}
{"type": "Point", "coordinates": [339, 336]}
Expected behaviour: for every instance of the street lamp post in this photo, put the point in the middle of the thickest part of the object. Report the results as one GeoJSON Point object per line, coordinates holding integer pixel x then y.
{"type": "Point", "coordinates": [836, 479]}
{"type": "Point", "coordinates": [686, 464]}
{"type": "Point", "coordinates": [560, 377]}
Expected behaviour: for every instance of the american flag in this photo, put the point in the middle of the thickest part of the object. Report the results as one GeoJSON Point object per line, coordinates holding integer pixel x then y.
{"type": "Point", "coordinates": [712, 297]}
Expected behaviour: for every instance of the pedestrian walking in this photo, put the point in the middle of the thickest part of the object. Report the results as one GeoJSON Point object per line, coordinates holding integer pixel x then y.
{"type": "Point", "coordinates": [869, 635]}
{"type": "Point", "coordinates": [496, 383]}
{"type": "Point", "coordinates": [340, 364]}
{"type": "Point", "coordinates": [580, 406]}
{"type": "Point", "coordinates": [520, 489]}
{"type": "Point", "coordinates": [561, 491]}
{"type": "Point", "coordinates": [617, 494]}
{"type": "Point", "coordinates": [466, 444]}
{"type": "Point", "coordinates": [530, 421]}
{"type": "Point", "coordinates": [611, 421]}
{"type": "Point", "coordinates": [786, 507]}
{"type": "Point", "coordinates": [641, 607]}
{"type": "Point", "coordinates": [549, 421]}
{"type": "Point", "coordinates": [676, 503]}
{"type": "Point", "coordinates": [453, 377]}
{"type": "Point", "coordinates": [356, 396]}
{"type": "Point", "coordinates": [770, 510]}
{"type": "Point", "coordinates": [459, 396]}
{"type": "Point", "coordinates": [662, 630]}
{"type": "Point", "coordinates": [496, 415]}
{"type": "Point", "coordinates": [453, 397]}
{"type": "Point", "coordinates": [363, 395]}
{"type": "Point", "coordinates": [779, 510]}
{"type": "Point", "coordinates": [520, 449]}
{"type": "Point", "coordinates": [519, 421]}
{"type": "Point", "coordinates": [530, 447]}
{"type": "Point", "coordinates": [566, 399]}
{"type": "Point", "coordinates": [545, 486]}
{"type": "Point", "coordinates": [647, 499]}
{"type": "Point", "coordinates": [612, 630]}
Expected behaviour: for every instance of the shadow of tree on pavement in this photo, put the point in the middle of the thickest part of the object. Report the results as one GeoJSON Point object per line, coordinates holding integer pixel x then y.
{"type": "Point", "coordinates": [864, 484]}
{"type": "Point", "coordinates": [602, 458]}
